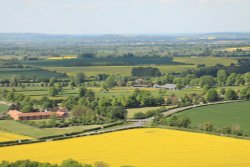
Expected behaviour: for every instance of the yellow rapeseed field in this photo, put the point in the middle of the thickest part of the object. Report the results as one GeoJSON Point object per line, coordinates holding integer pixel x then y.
{"type": "Point", "coordinates": [6, 136]}
{"type": "Point", "coordinates": [147, 147]}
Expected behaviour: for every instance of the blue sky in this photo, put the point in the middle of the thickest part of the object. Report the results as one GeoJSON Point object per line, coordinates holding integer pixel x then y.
{"type": "Point", "coordinates": [124, 16]}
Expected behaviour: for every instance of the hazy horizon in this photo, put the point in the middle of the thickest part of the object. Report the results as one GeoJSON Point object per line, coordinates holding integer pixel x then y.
{"type": "Point", "coordinates": [124, 17]}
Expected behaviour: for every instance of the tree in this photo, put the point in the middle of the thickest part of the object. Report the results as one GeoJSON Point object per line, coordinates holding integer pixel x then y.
{"type": "Point", "coordinates": [212, 95]}
{"type": "Point", "coordinates": [45, 103]}
{"type": "Point", "coordinates": [71, 163]}
{"type": "Point", "coordinates": [247, 79]}
{"type": "Point", "coordinates": [145, 72]}
{"type": "Point", "coordinates": [183, 122]}
{"type": "Point", "coordinates": [231, 95]}
{"type": "Point", "coordinates": [221, 77]}
{"type": "Point", "coordinates": [85, 114]}
{"type": "Point", "coordinates": [209, 127]}
{"type": "Point", "coordinates": [222, 91]}
{"type": "Point", "coordinates": [207, 81]}
{"type": "Point", "coordinates": [27, 108]}
{"type": "Point", "coordinates": [79, 78]}
{"type": "Point", "coordinates": [245, 93]}
{"type": "Point", "coordinates": [117, 112]}
{"type": "Point", "coordinates": [13, 81]}
{"type": "Point", "coordinates": [82, 91]}
{"type": "Point", "coordinates": [231, 79]}
{"type": "Point", "coordinates": [139, 115]}
{"type": "Point", "coordinates": [110, 82]}
{"type": "Point", "coordinates": [70, 102]}
{"type": "Point", "coordinates": [53, 92]}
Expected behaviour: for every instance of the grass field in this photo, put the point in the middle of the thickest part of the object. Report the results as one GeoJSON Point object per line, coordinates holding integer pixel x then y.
{"type": "Point", "coordinates": [222, 115]}
{"type": "Point", "coordinates": [6, 136]}
{"type": "Point", "coordinates": [208, 61]}
{"type": "Point", "coordinates": [112, 70]}
{"type": "Point", "coordinates": [145, 147]}
{"type": "Point", "coordinates": [132, 111]}
{"type": "Point", "coordinates": [3, 108]}
{"type": "Point", "coordinates": [7, 73]}
{"type": "Point", "coordinates": [102, 61]}
{"type": "Point", "coordinates": [126, 70]}
{"type": "Point", "coordinates": [22, 129]}
{"type": "Point", "coordinates": [38, 92]}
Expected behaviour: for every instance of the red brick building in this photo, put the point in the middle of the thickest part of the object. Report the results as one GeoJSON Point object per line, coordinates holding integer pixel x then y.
{"type": "Point", "coordinates": [17, 115]}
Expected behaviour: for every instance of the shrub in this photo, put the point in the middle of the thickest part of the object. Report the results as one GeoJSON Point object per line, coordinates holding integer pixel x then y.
{"type": "Point", "coordinates": [139, 115]}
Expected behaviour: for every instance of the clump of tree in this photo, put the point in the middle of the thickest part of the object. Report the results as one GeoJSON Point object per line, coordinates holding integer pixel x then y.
{"type": "Point", "coordinates": [176, 121]}
{"type": "Point", "coordinates": [231, 130]}
{"type": "Point", "coordinates": [149, 113]}
{"type": "Point", "coordinates": [145, 72]}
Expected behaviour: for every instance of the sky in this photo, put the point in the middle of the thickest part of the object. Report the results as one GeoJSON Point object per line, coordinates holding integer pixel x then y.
{"type": "Point", "coordinates": [124, 16]}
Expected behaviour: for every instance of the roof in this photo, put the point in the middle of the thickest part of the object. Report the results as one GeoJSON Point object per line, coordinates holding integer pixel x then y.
{"type": "Point", "coordinates": [169, 86]}
{"type": "Point", "coordinates": [20, 114]}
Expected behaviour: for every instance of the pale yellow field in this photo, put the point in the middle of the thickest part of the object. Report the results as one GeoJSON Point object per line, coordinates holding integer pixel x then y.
{"type": "Point", "coordinates": [6, 136]}
{"type": "Point", "coordinates": [62, 57]}
{"type": "Point", "coordinates": [140, 147]}
{"type": "Point", "coordinates": [244, 48]}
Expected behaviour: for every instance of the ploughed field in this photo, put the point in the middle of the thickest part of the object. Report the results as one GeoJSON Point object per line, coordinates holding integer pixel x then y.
{"type": "Point", "coordinates": [6, 136]}
{"type": "Point", "coordinates": [144, 147]}
{"type": "Point", "coordinates": [221, 115]}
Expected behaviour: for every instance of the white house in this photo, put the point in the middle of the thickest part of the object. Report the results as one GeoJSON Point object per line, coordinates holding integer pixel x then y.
{"type": "Point", "coordinates": [167, 86]}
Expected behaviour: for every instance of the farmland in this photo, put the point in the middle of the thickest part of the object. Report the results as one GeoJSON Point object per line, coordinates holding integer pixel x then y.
{"type": "Point", "coordinates": [103, 61]}
{"type": "Point", "coordinates": [126, 70]}
{"type": "Point", "coordinates": [3, 108]}
{"type": "Point", "coordinates": [122, 70]}
{"type": "Point", "coordinates": [6, 136]}
{"type": "Point", "coordinates": [38, 92]}
{"type": "Point", "coordinates": [30, 73]}
{"type": "Point", "coordinates": [160, 147]}
{"type": "Point", "coordinates": [22, 129]}
{"type": "Point", "coordinates": [221, 115]}
{"type": "Point", "coordinates": [208, 61]}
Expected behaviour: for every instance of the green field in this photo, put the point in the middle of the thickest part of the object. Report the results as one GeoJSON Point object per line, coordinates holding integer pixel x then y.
{"type": "Point", "coordinates": [30, 73]}
{"type": "Point", "coordinates": [22, 129]}
{"type": "Point", "coordinates": [103, 61]}
{"type": "Point", "coordinates": [126, 70]}
{"type": "Point", "coordinates": [3, 108]}
{"type": "Point", "coordinates": [38, 92]}
{"type": "Point", "coordinates": [122, 70]}
{"type": "Point", "coordinates": [208, 61]}
{"type": "Point", "coordinates": [221, 115]}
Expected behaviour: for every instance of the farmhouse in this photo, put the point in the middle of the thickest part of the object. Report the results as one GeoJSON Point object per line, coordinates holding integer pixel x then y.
{"type": "Point", "coordinates": [17, 115]}
{"type": "Point", "coordinates": [167, 86]}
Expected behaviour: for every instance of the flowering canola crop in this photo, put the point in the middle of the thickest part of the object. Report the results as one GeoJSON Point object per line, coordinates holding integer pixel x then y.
{"type": "Point", "coordinates": [149, 147]}
{"type": "Point", "coordinates": [6, 136]}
